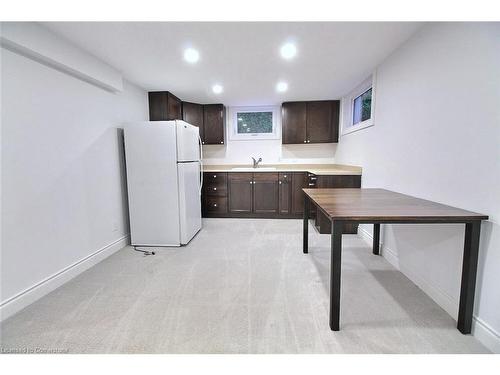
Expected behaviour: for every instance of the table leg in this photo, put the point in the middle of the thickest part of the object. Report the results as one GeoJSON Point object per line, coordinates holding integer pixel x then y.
{"type": "Point", "coordinates": [469, 270]}
{"type": "Point", "coordinates": [305, 234]}
{"type": "Point", "coordinates": [376, 239]}
{"type": "Point", "coordinates": [335, 263]}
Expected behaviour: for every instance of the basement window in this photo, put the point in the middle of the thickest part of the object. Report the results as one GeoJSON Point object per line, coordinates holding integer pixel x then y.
{"type": "Point", "coordinates": [358, 107]}
{"type": "Point", "coordinates": [251, 123]}
{"type": "Point", "coordinates": [362, 107]}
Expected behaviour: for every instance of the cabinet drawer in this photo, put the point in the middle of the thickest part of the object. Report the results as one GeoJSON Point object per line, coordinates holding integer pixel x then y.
{"type": "Point", "coordinates": [218, 190]}
{"type": "Point", "coordinates": [214, 178]}
{"type": "Point", "coordinates": [215, 204]}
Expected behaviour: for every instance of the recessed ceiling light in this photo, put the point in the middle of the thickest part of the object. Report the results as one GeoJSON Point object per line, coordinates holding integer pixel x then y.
{"type": "Point", "coordinates": [288, 50]}
{"type": "Point", "coordinates": [282, 86]}
{"type": "Point", "coordinates": [217, 89]}
{"type": "Point", "coordinates": [191, 55]}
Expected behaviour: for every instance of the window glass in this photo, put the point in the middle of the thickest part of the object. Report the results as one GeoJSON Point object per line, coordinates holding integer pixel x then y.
{"type": "Point", "coordinates": [362, 107]}
{"type": "Point", "coordinates": [254, 122]}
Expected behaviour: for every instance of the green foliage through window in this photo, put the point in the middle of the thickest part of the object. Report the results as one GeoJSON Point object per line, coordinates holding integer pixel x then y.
{"type": "Point", "coordinates": [362, 108]}
{"type": "Point", "coordinates": [255, 122]}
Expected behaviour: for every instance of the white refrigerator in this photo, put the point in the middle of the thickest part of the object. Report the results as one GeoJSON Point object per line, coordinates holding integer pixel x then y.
{"type": "Point", "coordinates": [164, 180]}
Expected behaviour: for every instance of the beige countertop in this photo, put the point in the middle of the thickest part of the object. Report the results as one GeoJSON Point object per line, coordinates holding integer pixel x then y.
{"type": "Point", "coordinates": [318, 169]}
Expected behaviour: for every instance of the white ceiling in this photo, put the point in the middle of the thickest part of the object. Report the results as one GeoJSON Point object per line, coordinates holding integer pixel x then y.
{"type": "Point", "coordinates": [332, 57]}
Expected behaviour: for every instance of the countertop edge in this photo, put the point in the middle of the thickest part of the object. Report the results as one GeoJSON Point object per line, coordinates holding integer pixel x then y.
{"type": "Point", "coordinates": [317, 169]}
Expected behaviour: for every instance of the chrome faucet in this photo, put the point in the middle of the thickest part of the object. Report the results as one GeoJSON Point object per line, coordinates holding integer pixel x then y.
{"type": "Point", "coordinates": [256, 162]}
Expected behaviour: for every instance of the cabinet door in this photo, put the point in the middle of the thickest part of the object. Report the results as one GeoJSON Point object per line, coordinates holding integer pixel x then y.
{"type": "Point", "coordinates": [240, 191]}
{"type": "Point", "coordinates": [285, 193]}
{"type": "Point", "coordinates": [192, 113]}
{"type": "Point", "coordinates": [335, 120]}
{"type": "Point", "coordinates": [319, 122]}
{"type": "Point", "coordinates": [293, 122]}
{"type": "Point", "coordinates": [164, 106]}
{"type": "Point", "coordinates": [299, 181]}
{"type": "Point", "coordinates": [265, 193]}
{"type": "Point", "coordinates": [158, 105]}
{"type": "Point", "coordinates": [174, 107]}
{"type": "Point", "coordinates": [213, 124]}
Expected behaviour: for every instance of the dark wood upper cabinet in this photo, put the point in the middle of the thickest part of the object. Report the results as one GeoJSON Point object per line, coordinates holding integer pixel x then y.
{"type": "Point", "coordinates": [192, 113]}
{"type": "Point", "coordinates": [164, 106]}
{"type": "Point", "coordinates": [285, 193]}
{"type": "Point", "coordinates": [335, 120]}
{"type": "Point", "coordinates": [209, 118]}
{"type": "Point", "coordinates": [265, 193]}
{"type": "Point", "coordinates": [293, 122]}
{"type": "Point", "coordinates": [310, 122]}
{"type": "Point", "coordinates": [300, 180]}
{"type": "Point", "coordinates": [240, 192]}
{"type": "Point", "coordinates": [213, 124]}
{"type": "Point", "coordinates": [319, 122]}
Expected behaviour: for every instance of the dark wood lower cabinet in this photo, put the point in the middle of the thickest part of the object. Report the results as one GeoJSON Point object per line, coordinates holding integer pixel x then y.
{"type": "Point", "coordinates": [240, 192]}
{"type": "Point", "coordinates": [265, 193]}
{"type": "Point", "coordinates": [214, 198]}
{"type": "Point", "coordinates": [269, 195]}
{"type": "Point", "coordinates": [299, 182]}
{"type": "Point", "coordinates": [285, 194]}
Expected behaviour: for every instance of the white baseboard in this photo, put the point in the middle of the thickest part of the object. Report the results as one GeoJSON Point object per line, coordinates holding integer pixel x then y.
{"type": "Point", "coordinates": [486, 334]}
{"type": "Point", "coordinates": [18, 302]}
{"type": "Point", "coordinates": [480, 330]}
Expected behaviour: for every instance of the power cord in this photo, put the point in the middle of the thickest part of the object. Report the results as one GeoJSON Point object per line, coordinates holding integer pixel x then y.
{"type": "Point", "coordinates": [145, 252]}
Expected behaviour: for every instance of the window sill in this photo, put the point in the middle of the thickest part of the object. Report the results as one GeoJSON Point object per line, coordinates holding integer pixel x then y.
{"type": "Point", "coordinates": [359, 126]}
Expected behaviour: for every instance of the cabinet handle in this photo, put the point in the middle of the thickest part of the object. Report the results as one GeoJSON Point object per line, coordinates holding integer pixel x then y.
{"type": "Point", "coordinates": [203, 142]}
{"type": "Point", "coordinates": [312, 178]}
{"type": "Point", "coordinates": [215, 176]}
{"type": "Point", "coordinates": [284, 176]}
{"type": "Point", "coordinates": [251, 182]}
{"type": "Point", "coordinates": [215, 189]}
{"type": "Point", "coordinates": [222, 143]}
{"type": "Point", "coordinates": [279, 182]}
{"type": "Point", "coordinates": [215, 204]}
{"type": "Point", "coordinates": [305, 141]}
{"type": "Point", "coordinates": [311, 184]}
{"type": "Point", "coordinates": [308, 141]}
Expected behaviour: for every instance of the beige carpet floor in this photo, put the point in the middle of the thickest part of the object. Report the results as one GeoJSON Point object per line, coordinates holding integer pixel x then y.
{"type": "Point", "coordinates": [240, 286]}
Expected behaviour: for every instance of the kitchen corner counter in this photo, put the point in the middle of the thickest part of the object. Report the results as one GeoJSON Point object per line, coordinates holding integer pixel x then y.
{"type": "Point", "coordinates": [317, 169]}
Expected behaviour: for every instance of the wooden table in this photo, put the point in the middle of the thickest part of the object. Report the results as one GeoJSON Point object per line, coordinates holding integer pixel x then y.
{"type": "Point", "coordinates": [379, 206]}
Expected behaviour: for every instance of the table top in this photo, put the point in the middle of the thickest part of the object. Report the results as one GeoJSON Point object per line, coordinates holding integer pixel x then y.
{"type": "Point", "coordinates": [380, 205]}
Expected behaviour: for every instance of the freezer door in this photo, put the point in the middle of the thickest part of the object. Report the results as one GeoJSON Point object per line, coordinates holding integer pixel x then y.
{"type": "Point", "coordinates": [187, 142]}
{"type": "Point", "coordinates": [189, 200]}
{"type": "Point", "coordinates": [152, 183]}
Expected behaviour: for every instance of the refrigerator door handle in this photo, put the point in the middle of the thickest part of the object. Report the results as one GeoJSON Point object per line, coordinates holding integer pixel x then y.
{"type": "Point", "coordinates": [201, 163]}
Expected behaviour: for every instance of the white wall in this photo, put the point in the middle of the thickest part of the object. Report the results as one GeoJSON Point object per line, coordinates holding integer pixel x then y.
{"type": "Point", "coordinates": [271, 151]}
{"type": "Point", "coordinates": [437, 136]}
{"type": "Point", "coordinates": [63, 194]}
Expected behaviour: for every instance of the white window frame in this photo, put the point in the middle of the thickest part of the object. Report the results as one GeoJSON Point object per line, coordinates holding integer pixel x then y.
{"type": "Point", "coordinates": [348, 107]}
{"type": "Point", "coordinates": [233, 125]}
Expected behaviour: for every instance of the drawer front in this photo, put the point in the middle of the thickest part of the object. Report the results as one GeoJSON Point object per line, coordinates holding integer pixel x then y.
{"type": "Point", "coordinates": [216, 204]}
{"type": "Point", "coordinates": [214, 178]}
{"type": "Point", "coordinates": [217, 190]}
